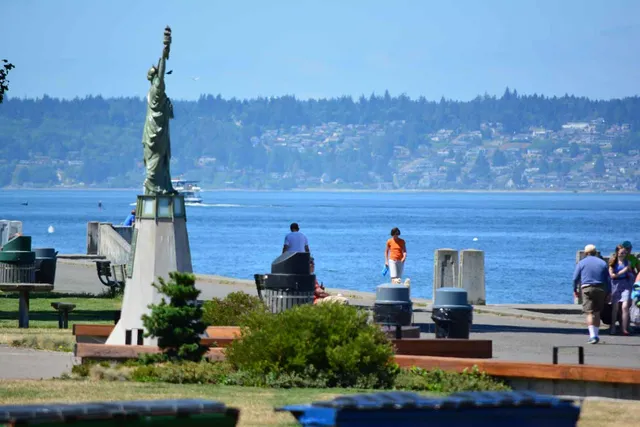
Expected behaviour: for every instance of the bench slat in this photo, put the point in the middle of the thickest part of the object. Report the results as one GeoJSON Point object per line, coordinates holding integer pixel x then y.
{"type": "Point", "coordinates": [480, 349]}
{"type": "Point", "coordinates": [504, 369]}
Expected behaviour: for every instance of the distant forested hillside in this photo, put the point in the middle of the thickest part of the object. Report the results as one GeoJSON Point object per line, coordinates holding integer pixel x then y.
{"type": "Point", "coordinates": [282, 142]}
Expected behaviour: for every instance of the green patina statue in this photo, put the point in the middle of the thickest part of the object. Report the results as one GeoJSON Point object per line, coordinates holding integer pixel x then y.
{"type": "Point", "coordinates": [155, 138]}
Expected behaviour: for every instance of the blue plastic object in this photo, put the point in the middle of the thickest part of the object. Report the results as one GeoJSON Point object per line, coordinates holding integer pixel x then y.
{"type": "Point", "coordinates": [490, 409]}
{"type": "Point", "coordinates": [386, 270]}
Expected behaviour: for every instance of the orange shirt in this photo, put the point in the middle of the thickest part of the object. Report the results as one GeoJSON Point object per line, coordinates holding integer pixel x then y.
{"type": "Point", "coordinates": [396, 248]}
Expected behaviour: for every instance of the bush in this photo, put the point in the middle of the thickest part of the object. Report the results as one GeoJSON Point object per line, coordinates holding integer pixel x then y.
{"type": "Point", "coordinates": [331, 342]}
{"type": "Point", "coordinates": [183, 373]}
{"type": "Point", "coordinates": [177, 324]}
{"type": "Point", "coordinates": [231, 310]}
{"type": "Point", "coordinates": [438, 381]}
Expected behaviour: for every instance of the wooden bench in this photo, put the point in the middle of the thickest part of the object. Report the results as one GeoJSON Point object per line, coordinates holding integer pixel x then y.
{"type": "Point", "coordinates": [111, 275]}
{"type": "Point", "coordinates": [459, 348]}
{"type": "Point", "coordinates": [530, 370]}
{"type": "Point", "coordinates": [222, 336]}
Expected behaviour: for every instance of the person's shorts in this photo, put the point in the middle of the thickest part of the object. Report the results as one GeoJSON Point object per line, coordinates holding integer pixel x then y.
{"type": "Point", "coordinates": [593, 299]}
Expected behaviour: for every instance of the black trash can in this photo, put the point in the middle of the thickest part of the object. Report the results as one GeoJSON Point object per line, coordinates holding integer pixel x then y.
{"type": "Point", "coordinates": [452, 314]}
{"type": "Point", "coordinates": [289, 284]}
{"type": "Point", "coordinates": [393, 305]}
{"type": "Point", "coordinates": [46, 260]}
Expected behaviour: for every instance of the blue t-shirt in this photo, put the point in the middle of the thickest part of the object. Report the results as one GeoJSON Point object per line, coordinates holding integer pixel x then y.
{"type": "Point", "coordinates": [592, 271]}
{"type": "Point", "coordinates": [129, 220]}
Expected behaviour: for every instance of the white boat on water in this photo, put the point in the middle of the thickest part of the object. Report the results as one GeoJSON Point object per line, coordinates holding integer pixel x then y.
{"type": "Point", "coordinates": [189, 189]}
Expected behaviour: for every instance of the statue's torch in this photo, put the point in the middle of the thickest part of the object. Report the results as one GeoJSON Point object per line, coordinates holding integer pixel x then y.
{"type": "Point", "coordinates": [167, 41]}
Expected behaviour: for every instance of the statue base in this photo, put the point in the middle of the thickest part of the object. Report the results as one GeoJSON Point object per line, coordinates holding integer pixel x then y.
{"type": "Point", "coordinates": [160, 245]}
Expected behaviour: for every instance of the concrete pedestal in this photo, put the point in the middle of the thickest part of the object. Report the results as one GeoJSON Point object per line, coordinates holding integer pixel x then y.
{"type": "Point", "coordinates": [472, 275]}
{"type": "Point", "coordinates": [161, 246]}
{"type": "Point", "coordinates": [445, 269]}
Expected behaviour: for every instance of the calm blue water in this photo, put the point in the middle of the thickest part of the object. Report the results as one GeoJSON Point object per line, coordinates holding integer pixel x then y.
{"type": "Point", "coordinates": [530, 240]}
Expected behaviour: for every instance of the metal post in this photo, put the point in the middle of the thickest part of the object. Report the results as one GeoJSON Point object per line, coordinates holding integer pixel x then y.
{"type": "Point", "coordinates": [580, 353]}
{"type": "Point", "coordinates": [23, 310]}
{"type": "Point", "coordinates": [66, 319]}
{"type": "Point", "coordinates": [60, 320]}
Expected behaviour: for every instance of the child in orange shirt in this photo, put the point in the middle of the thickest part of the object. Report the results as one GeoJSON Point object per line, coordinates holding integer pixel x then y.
{"type": "Point", "coordinates": [395, 254]}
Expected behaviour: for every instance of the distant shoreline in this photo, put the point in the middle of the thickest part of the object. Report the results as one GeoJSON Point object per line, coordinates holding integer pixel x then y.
{"type": "Point", "coordinates": [333, 190]}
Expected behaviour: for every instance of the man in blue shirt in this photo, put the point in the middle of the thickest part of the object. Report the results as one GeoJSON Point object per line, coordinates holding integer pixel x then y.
{"type": "Point", "coordinates": [130, 219]}
{"type": "Point", "coordinates": [591, 277]}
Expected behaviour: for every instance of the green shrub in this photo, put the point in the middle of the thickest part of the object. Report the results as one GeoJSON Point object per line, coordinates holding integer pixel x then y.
{"type": "Point", "coordinates": [335, 340]}
{"type": "Point", "coordinates": [81, 370]}
{"type": "Point", "coordinates": [183, 373]}
{"type": "Point", "coordinates": [438, 381]}
{"type": "Point", "coordinates": [178, 323]}
{"type": "Point", "coordinates": [231, 310]}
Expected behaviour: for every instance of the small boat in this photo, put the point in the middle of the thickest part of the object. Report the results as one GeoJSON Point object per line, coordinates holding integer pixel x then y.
{"type": "Point", "coordinates": [189, 189]}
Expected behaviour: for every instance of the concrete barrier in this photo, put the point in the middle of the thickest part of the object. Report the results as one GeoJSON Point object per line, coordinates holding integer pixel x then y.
{"type": "Point", "coordinates": [93, 237]}
{"type": "Point", "coordinates": [112, 245]}
{"type": "Point", "coordinates": [472, 275]}
{"type": "Point", "coordinates": [445, 269]}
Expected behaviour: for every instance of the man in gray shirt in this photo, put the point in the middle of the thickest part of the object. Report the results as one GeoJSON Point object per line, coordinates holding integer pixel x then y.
{"type": "Point", "coordinates": [591, 278]}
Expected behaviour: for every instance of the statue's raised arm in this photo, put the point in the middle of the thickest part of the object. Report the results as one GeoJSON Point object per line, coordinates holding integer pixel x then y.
{"type": "Point", "coordinates": [155, 138]}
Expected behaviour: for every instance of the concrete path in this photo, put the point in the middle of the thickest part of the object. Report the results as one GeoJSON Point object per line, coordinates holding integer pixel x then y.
{"type": "Point", "coordinates": [23, 363]}
{"type": "Point", "coordinates": [518, 332]}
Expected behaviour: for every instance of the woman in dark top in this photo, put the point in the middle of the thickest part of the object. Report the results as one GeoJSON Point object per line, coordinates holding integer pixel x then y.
{"type": "Point", "coordinates": [621, 283]}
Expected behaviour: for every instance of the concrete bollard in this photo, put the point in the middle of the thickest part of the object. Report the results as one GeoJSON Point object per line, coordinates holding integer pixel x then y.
{"type": "Point", "coordinates": [445, 269]}
{"type": "Point", "coordinates": [93, 237]}
{"type": "Point", "coordinates": [472, 277]}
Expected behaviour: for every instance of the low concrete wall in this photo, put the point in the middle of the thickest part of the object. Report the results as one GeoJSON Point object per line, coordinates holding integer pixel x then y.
{"type": "Point", "coordinates": [126, 232]}
{"type": "Point", "coordinates": [472, 275]}
{"type": "Point", "coordinates": [464, 269]}
{"type": "Point", "coordinates": [576, 388]}
{"type": "Point", "coordinates": [112, 245]}
{"type": "Point", "coordinates": [445, 269]}
{"type": "Point", "coordinates": [93, 237]}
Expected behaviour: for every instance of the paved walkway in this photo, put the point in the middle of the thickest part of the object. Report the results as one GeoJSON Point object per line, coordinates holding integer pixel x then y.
{"type": "Point", "coordinates": [518, 332]}
{"type": "Point", "coordinates": [24, 363]}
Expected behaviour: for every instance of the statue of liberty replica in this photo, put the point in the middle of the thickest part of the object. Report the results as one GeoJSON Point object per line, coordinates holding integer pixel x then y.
{"type": "Point", "coordinates": [160, 242]}
{"type": "Point", "coordinates": [155, 138]}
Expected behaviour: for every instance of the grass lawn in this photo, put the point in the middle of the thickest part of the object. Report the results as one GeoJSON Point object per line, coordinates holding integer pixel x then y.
{"type": "Point", "coordinates": [256, 404]}
{"type": "Point", "coordinates": [43, 332]}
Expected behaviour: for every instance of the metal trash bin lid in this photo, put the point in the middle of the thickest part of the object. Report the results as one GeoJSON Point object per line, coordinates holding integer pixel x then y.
{"type": "Point", "coordinates": [326, 413]}
{"type": "Point", "coordinates": [390, 292]}
{"type": "Point", "coordinates": [450, 297]}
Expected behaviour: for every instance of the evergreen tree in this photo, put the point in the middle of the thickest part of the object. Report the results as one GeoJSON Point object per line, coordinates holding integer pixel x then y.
{"type": "Point", "coordinates": [481, 167]}
{"type": "Point", "coordinates": [499, 159]}
{"type": "Point", "coordinates": [598, 167]}
{"type": "Point", "coordinates": [4, 72]}
{"type": "Point", "coordinates": [178, 323]}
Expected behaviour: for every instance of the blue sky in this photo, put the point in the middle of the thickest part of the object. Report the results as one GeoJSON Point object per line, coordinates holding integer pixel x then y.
{"type": "Point", "coordinates": [324, 48]}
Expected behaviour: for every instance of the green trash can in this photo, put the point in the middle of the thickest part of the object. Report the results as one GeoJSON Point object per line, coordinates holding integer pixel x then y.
{"type": "Point", "coordinates": [46, 261]}
{"type": "Point", "coordinates": [157, 413]}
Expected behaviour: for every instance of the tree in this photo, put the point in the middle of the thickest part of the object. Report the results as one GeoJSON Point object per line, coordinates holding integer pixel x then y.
{"type": "Point", "coordinates": [4, 72]}
{"type": "Point", "coordinates": [543, 167]}
{"type": "Point", "coordinates": [499, 159]}
{"type": "Point", "coordinates": [574, 150]}
{"type": "Point", "coordinates": [481, 167]}
{"type": "Point", "coordinates": [598, 167]}
{"type": "Point", "coordinates": [178, 323]}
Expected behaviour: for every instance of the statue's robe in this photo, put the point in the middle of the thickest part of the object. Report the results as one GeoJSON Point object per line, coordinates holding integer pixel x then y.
{"type": "Point", "coordinates": [155, 138]}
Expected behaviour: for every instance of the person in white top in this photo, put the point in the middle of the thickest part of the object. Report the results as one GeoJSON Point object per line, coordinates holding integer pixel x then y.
{"type": "Point", "coordinates": [295, 241]}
